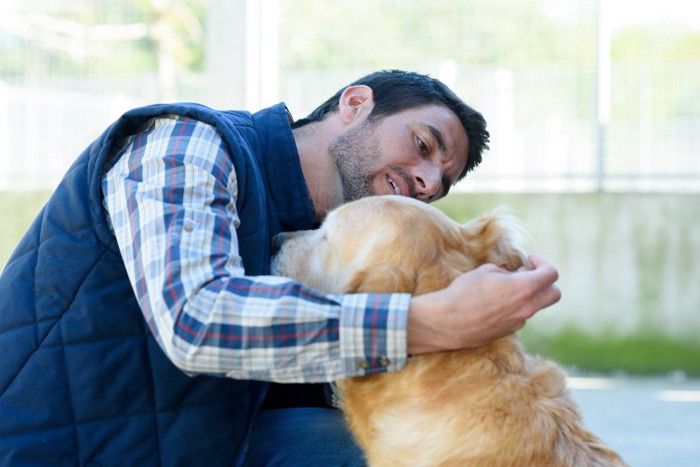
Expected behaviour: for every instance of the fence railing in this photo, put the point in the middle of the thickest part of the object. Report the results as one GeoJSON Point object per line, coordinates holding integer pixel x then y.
{"type": "Point", "coordinates": [544, 117]}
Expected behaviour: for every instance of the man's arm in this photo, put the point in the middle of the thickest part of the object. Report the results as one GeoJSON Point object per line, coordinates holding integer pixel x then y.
{"type": "Point", "coordinates": [171, 198]}
{"type": "Point", "coordinates": [480, 306]}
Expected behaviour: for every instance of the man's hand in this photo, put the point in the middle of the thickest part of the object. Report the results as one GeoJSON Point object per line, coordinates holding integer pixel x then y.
{"type": "Point", "coordinates": [480, 306]}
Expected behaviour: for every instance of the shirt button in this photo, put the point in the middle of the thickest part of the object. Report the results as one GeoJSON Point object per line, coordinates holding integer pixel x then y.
{"type": "Point", "coordinates": [385, 361]}
{"type": "Point", "coordinates": [363, 364]}
{"type": "Point", "coordinates": [189, 227]}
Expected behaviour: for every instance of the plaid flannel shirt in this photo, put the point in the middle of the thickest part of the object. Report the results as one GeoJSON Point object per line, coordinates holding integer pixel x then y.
{"type": "Point", "coordinates": [171, 200]}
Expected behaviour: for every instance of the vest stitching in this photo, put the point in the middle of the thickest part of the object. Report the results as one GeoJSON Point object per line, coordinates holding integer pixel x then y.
{"type": "Point", "coordinates": [51, 328]}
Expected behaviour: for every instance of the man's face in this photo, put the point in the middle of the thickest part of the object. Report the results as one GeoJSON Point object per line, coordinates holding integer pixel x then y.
{"type": "Point", "coordinates": [418, 152]}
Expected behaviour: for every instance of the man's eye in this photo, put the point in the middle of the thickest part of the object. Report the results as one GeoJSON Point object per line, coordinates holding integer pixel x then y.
{"type": "Point", "coordinates": [422, 146]}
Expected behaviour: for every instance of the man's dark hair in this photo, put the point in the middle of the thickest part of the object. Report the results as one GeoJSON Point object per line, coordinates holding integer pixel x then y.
{"type": "Point", "coordinates": [397, 90]}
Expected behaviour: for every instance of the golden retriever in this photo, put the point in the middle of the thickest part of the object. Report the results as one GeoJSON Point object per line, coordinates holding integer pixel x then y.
{"type": "Point", "coordinates": [490, 406]}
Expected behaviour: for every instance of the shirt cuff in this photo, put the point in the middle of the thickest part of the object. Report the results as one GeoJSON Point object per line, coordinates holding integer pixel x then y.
{"type": "Point", "coordinates": [373, 333]}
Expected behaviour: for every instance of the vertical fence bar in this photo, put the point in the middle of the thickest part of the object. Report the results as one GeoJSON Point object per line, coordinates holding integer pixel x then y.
{"type": "Point", "coordinates": [602, 88]}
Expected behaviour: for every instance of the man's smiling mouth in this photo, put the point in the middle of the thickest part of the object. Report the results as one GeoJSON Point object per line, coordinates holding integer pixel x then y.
{"type": "Point", "coordinates": [393, 184]}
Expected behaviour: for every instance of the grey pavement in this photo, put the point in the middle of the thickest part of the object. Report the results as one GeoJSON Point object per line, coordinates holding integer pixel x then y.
{"type": "Point", "coordinates": [651, 422]}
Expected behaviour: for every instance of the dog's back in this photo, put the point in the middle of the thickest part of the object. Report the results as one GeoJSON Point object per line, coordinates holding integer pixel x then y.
{"type": "Point", "coordinates": [492, 406]}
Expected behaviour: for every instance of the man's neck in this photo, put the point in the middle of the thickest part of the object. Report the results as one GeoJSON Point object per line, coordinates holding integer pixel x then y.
{"type": "Point", "coordinates": [320, 170]}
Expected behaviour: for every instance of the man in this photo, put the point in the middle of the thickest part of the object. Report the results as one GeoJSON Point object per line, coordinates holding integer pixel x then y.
{"type": "Point", "coordinates": [150, 261]}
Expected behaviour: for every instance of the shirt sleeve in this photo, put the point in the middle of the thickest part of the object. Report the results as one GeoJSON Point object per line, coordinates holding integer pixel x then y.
{"type": "Point", "coordinates": [171, 200]}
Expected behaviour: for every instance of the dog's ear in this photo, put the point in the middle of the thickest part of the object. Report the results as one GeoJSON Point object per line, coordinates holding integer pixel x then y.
{"type": "Point", "coordinates": [496, 238]}
{"type": "Point", "coordinates": [441, 272]}
{"type": "Point", "coordinates": [381, 278]}
{"type": "Point", "coordinates": [415, 275]}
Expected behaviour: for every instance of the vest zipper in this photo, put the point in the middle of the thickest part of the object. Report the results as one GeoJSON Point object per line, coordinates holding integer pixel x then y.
{"type": "Point", "coordinates": [246, 441]}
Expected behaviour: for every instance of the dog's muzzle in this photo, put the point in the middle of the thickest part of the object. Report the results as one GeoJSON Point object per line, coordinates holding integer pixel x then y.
{"type": "Point", "coordinates": [277, 242]}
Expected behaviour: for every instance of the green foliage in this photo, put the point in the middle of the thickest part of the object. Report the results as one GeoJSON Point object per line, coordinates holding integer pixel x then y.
{"type": "Point", "coordinates": [90, 38]}
{"type": "Point", "coordinates": [338, 34]}
{"type": "Point", "coordinates": [656, 44]}
{"type": "Point", "coordinates": [605, 352]}
{"type": "Point", "coordinates": [390, 33]}
{"type": "Point", "coordinates": [19, 210]}
{"type": "Point", "coordinates": [373, 34]}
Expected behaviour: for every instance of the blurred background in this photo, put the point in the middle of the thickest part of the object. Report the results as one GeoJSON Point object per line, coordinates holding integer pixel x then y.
{"type": "Point", "coordinates": [593, 107]}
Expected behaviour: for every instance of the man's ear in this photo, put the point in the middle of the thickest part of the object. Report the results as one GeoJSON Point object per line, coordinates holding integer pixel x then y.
{"type": "Point", "coordinates": [355, 102]}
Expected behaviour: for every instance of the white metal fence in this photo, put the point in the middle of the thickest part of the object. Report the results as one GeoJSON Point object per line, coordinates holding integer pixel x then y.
{"type": "Point", "coordinates": [561, 114]}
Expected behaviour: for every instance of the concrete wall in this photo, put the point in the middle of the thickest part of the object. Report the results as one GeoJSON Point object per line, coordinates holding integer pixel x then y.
{"type": "Point", "coordinates": [628, 263]}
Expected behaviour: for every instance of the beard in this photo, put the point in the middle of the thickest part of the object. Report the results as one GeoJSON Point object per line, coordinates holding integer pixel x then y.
{"type": "Point", "coordinates": [356, 154]}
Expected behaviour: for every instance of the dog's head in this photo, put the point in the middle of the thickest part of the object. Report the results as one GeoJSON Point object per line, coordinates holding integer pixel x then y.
{"type": "Point", "coordinates": [390, 243]}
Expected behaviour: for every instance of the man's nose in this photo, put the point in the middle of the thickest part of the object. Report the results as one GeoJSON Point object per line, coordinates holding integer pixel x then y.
{"type": "Point", "coordinates": [428, 181]}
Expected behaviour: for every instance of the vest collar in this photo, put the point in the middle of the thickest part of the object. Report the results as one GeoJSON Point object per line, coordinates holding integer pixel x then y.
{"type": "Point", "coordinates": [282, 168]}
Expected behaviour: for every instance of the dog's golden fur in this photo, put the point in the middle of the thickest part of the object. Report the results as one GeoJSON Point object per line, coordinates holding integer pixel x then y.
{"type": "Point", "coordinates": [490, 406]}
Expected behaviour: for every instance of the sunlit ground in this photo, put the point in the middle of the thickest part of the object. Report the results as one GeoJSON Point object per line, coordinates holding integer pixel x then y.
{"type": "Point", "coordinates": [651, 422]}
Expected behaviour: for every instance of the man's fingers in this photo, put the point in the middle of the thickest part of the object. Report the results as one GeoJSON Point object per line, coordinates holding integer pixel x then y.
{"type": "Point", "coordinates": [543, 278]}
{"type": "Point", "coordinates": [544, 271]}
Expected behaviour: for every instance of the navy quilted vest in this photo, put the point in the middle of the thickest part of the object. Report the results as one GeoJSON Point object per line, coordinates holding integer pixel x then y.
{"type": "Point", "coordinates": [82, 382]}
